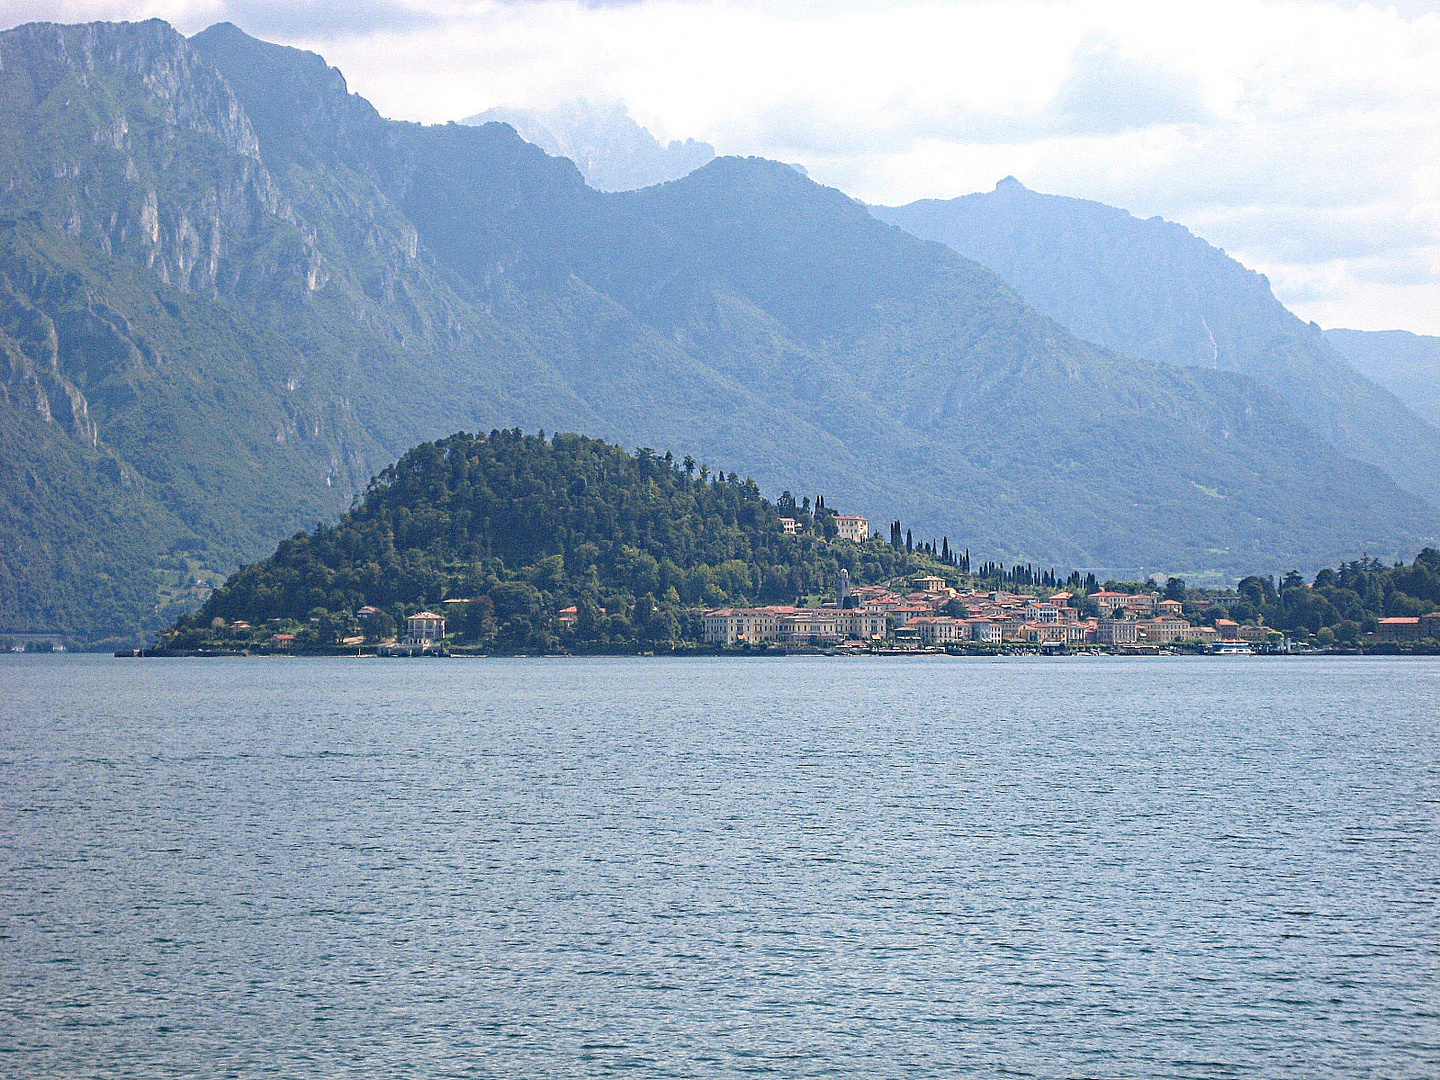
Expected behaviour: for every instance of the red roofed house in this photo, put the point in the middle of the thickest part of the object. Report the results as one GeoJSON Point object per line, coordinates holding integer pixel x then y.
{"type": "Point", "coordinates": [1399, 629]}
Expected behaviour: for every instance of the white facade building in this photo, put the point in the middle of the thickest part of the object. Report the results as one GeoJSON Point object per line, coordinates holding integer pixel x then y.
{"type": "Point", "coordinates": [852, 528]}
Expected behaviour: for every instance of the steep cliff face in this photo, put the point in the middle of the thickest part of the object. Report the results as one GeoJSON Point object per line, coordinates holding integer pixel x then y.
{"type": "Point", "coordinates": [34, 382]}
{"type": "Point", "coordinates": [105, 132]}
{"type": "Point", "coordinates": [230, 293]}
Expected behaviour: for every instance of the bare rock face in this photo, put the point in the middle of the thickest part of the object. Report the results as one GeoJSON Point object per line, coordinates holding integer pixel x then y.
{"type": "Point", "coordinates": [114, 119]}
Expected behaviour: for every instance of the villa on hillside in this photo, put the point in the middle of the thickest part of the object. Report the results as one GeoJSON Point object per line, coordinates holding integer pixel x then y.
{"type": "Point", "coordinates": [847, 527]}
{"type": "Point", "coordinates": [423, 628]}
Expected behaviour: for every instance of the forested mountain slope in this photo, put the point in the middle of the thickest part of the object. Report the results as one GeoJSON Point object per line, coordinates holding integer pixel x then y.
{"type": "Point", "coordinates": [1154, 290]}
{"type": "Point", "coordinates": [521, 526]}
{"type": "Point", "coordinates": [1406, 364]}
{"type": "Point", "coordinates": [230, 290]}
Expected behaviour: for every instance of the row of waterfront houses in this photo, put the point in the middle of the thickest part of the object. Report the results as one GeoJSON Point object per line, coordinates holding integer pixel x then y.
{"type": "Point", "coordinates": [928, 615]}
{"type": "Point", "coordinates": [994, 617]}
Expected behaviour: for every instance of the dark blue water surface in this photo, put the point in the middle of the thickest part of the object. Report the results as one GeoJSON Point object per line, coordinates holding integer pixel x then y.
{"type": "Point", "coordinates": [805, 867]}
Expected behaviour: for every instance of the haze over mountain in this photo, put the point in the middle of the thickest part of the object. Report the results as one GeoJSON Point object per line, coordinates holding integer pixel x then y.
{"type": "Point", "coordinates": [1406, 364]}
{"type": "Point", "coordinates": [230, 292]}
{"type": "Point", "coordinates": [610, 149]}
{"type": "Point", "coordinates": [1154, 290]}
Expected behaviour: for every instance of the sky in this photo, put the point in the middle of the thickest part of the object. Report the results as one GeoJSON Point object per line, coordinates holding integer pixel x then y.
{"type": "Point", "coordinates": [1303, 137]}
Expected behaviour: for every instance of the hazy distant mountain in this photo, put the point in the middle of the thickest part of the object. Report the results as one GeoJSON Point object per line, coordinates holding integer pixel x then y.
{"type": "Point", "coordinates": [611, 150]}
{"type": "Point", "coordinates": [230, 292]}
{"type": "Point", "coordinates": [1154, 290]}
{"type": "Point", "coordinates": [1406, 364]}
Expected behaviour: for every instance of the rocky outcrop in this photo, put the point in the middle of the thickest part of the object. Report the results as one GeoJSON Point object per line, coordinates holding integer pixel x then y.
{"type": "Point", "coordinates": [33, 380]}
{"type": "Point", "coordinates": [162, 165]}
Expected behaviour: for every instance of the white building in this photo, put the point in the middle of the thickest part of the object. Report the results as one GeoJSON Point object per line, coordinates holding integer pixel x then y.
{"type": "Point", "coordinates": [731, 626]}
{"type": "Point", "coordinates": [938, 629]}
{"type": "Point", "coordinates": [853, 528]}
{"type": "Point", "coordinates": [424, 626]}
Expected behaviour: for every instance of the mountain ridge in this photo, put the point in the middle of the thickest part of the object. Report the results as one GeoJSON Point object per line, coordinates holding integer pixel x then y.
{"type": "Point", "coordinates": [287, 300]}
{"type": "Point", "coordinates": [611, 150]}
{"type": "Point", "coordinates": [1406, 364]}
{"type": "Point", "coordinates": [1152, 289]}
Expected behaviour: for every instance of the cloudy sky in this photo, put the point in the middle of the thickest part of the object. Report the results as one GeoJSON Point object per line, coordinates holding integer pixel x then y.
{"type": "Point", "coordinates": [1303, 137]}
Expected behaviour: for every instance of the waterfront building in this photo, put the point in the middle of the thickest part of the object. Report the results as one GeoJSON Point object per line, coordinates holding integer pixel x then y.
{"type": "Point", "coordinates": [1161, 631]}
{"type": "Point", "coordinates": [733, 626]}
{"type": "Point", "coordinates": [1053, 633]}
{"type": "Point", "coordinates": [1115, 632]}
{"type": "Point", "coordinates": [792, 625]}
{"type": "Point", "coordinates": [937, 629]}
{"type": "Point", "coordinates": [1399, 628]}
{"type": "Point", "coordinates": [424, 627]}
{"type": "Point", "coordinates": [866, 625]}
{"type": "Point", "coordinates": [983, 630]}
{"type": "Point", "coordinates": [814, 626]}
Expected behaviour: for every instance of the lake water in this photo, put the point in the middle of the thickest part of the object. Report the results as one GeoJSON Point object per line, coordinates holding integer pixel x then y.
{"type": "Point", "coordinates": [1206, 867]}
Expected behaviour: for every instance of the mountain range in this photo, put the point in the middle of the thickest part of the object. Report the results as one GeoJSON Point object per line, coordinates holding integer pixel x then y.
{"type": "Point", "coordinates": [231, 292]}
{"type": "Point", "coordinates": [1153, 290]}
{"type": "Point", "coordinates": [1406, 364]}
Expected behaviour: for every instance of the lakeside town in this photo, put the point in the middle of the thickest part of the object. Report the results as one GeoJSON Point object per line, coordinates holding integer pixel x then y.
{"type": "Point", "coordinates": [919, 613]}
{"type": "Point", "coordinates": [933, 614]}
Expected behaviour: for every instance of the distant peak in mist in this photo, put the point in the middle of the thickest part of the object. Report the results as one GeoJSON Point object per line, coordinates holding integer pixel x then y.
{"type": "Point", "coordinates": [611, 150]}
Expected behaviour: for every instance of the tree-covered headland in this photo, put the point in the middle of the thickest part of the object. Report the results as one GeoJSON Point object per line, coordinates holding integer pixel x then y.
{"type": "Point", "coordinates": [523, 527]}
{"type": "Point", "coordinates": [505, 533]}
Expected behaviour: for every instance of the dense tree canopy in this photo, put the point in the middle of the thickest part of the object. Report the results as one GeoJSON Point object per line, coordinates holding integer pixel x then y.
{"type": "Point", "coordinates": [1345, 603]}
{"type": "Point", "coordinates": [523, 526]}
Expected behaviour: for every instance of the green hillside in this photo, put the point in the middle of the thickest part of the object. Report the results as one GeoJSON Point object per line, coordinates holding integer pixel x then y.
{"type": "Point", "coordinates": [238, 288]}
{"type": "Point", "coordinates": [504, 532]}
{"type": "Point", "coordinates": [521, 527]}
{"type": "Point", "coordinates": [1154, 290]}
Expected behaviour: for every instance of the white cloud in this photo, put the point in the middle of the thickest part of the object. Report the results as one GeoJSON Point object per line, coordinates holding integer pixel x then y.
{"type": "Point", "coordinates": [1302, 136]}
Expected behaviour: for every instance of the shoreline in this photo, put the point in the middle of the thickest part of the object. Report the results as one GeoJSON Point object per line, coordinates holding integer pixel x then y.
{"type": "Point", "coordinates": [1017, 652]}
